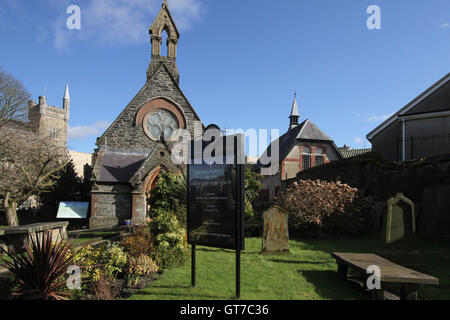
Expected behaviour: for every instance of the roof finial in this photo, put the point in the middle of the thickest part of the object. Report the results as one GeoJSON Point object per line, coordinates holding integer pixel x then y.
{"type": "Point", "coordinates": [164, 5]}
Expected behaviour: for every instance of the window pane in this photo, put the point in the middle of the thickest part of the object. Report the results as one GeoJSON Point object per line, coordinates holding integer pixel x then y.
{"type": "Point", "coordinates": [319, 151]}
{"type": "Point", "coordinates": [306, 150]}
{"type": "Point", "coordinates": [306, 162]}
{"type": "Point", "coordinates": [319, 160]}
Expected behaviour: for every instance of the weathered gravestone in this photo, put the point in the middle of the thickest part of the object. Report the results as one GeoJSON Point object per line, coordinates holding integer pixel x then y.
{"type": "Point", "coordinates": [399, 234]}
{"type": "Point", "coordinates": [275, 238]}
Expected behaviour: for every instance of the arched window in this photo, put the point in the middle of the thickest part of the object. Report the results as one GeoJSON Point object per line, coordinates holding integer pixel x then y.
{"type": "Point", "coordinates": [318, 157]}
{"type": "Point", "coordinates": [306, 158]}
{"type": "Point", "coordinates": [164, 45]}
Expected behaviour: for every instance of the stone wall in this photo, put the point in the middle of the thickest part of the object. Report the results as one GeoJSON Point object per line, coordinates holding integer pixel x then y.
{"type": "Point", "coordinates": [384, 179]}
{"type": "Point", "coordinates": [110, 205]}
{"type": "Point", "coordinates": [124, 133]}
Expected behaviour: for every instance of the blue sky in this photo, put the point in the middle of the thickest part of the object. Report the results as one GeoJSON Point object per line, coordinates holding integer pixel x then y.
{"type": "Point", "coordinates": [240, 61]}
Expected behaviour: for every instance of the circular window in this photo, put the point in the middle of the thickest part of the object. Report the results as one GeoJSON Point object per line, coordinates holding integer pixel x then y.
{"type": "Point", "coordinates": [161, 122]}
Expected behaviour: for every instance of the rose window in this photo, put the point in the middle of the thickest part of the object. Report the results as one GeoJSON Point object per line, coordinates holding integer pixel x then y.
{"type": "Point", "coordinates": [161, 122]}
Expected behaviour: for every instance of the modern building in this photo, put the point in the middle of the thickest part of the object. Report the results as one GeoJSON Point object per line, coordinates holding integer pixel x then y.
{"type": "Point", "coordinates": [419, 129]}
{"type": "Point", "coordinates": [137, 146]}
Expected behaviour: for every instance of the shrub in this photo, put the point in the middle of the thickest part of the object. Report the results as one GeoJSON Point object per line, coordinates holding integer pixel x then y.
{"type": "Point", "coordinates": [170, 194]}
{"type": "Point", "coordinates": [139, 242]}
{"type": "Point", "coordinates": [95, 262]}
{"type": "Point", "coordinates": [170, 248]}
{"type": "Point", "coordinates": [103, 289]}
{"type": "Point", "coordinates": [40, 271]}
{"type": "Point", "coordinates": [330, 206]}
{"type": "Point", "coordinates": [139, 266]}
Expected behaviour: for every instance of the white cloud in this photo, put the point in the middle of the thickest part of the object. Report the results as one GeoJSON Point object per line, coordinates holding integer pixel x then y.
{"type": "Point", "coordinates": [122, 22]}
{"type": "Point", "coordinates": [378, 118]}
{"type": "Point", "coordinates": [445, 25]}
{"type": "Point", "coordinates": [82, 132]}
{"type": "Point", "coordinates": [360, 141]}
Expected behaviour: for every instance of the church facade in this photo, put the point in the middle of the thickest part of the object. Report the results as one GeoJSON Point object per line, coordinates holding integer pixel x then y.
{"type": "Point", "coordinates": [137, 146]}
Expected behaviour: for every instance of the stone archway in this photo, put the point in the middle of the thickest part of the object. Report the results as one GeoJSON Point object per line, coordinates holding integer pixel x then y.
{"type": "Point", "coordinates": [150, 183]}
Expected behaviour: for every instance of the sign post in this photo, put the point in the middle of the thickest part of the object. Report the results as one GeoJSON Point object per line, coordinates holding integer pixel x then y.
{"type": "Point", "coordinates": [215, 215]}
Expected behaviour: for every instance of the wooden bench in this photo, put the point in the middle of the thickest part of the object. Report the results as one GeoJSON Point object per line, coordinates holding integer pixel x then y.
{"type": "Point", "coordinates": [409, 280]}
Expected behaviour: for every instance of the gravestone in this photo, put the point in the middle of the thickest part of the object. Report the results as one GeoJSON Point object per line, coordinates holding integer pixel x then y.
{"type": "Point", "coordinates": [275, 238]}
{"type": "Point", "coordinates": [399, 234]}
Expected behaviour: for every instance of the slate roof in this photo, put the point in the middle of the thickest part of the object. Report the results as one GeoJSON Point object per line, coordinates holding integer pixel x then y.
{"type": "Point", "coordinates": [306, 130]}
{"type": "Point", "coordinates": [119, 165]}
{"type": "Point", "coordinates": [353, 152]}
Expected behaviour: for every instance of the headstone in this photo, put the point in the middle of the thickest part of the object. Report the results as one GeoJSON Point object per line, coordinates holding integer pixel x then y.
{"type": "Point", "coordinates": [399, 234]}
{"type": "Point", "coordinates": [275, 238]}
{"type": "Point", "coordinates": [400, 221]}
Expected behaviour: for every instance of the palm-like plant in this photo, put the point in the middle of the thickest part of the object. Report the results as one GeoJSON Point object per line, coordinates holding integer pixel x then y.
{"type": "Point", "coordinates": [40, 271]}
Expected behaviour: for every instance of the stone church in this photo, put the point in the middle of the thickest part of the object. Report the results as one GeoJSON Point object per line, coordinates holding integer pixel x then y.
{"type": "Point", "coordinates": [136, 148]}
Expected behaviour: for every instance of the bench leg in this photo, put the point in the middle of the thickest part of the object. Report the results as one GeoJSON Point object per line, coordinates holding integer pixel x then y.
{"type": "Point", "coordinates": [377, 294]}
{"type": "Point", "coordinates": [342, 271]}
{"type": "Point", "coordinates": [408, 292]}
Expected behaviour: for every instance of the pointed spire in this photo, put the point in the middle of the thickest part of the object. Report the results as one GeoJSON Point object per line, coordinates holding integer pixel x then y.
{"type": "Point", "coordinates": [294, 111]}
{"type": "Point", "coordinates": [66, 93]}
{"type": "Point", "coordinates": [164, 5]}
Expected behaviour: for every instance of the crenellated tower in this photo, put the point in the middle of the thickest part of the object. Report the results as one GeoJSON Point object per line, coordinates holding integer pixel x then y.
{"type": "Point", "coordinates": [50, 121]}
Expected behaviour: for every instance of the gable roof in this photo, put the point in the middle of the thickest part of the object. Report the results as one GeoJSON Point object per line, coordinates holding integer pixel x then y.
{"type": "Point", "coordinates": [119, 165]}
{"type": "Point", "coordinates": [409, 106]}
{"type": "Point", "coordinates": [305, 131]}
{"type": "Point", "coordinates": [161, 66]}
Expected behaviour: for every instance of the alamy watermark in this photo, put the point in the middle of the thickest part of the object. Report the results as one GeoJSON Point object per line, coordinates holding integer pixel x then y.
{"type": "Point", "coordinates": [374, 20]}
{"type": "Point", "coordinates": [373, 282]}
{"type": "Point", "coordinates": [74, 280]}
{"type": "Point", "coordinates": [208, 147]}
{"type": "Point", "coordinates": [73, 22]}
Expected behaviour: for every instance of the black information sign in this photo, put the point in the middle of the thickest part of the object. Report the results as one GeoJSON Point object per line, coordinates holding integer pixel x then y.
{"type": "Point", "coordinates": [216, 200]}
{"type": "Point", "coordinates": [215, 214]}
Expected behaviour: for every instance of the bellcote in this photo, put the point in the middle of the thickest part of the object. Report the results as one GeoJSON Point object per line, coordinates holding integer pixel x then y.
{"type": "Point", "coordinates": [294, 114]}
{"type": "Point", "coordinates": [164, 23]}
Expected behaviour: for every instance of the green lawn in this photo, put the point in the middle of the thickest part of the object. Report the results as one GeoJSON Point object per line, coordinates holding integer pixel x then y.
{"type": "Point", "coordinates": [89, 236]}
{"type": "Point", "coordinates": [309, 272]}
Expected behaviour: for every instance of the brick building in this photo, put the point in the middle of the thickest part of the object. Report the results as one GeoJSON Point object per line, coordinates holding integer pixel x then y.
{"type": "Point", "coordinates": [136, 148]}
{"type": "Point", "coordinates": [303, 146]}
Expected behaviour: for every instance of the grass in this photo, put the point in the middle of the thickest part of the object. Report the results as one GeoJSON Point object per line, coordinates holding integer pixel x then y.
{"type": "Point", "coordinates": [307, 273]}
{"type": "Point", "coordinates": [86, 237]}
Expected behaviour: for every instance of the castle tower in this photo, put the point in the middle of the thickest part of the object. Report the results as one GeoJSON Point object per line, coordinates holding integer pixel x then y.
{"type": "Point", "coordinates": [294, 114]}
{"type": "Point", "coordinates": [164, 23]}
{"type": "Point", "coordinates": [50, 121]}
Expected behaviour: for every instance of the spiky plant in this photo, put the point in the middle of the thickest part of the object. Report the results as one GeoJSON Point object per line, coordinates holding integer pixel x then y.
{"type": "Point", "coordinates": [40, 271]}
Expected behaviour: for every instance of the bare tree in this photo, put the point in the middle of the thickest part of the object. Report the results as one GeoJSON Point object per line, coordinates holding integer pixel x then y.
{"type": "Point", "coordinates": [28, 165]}
{"type": "Point", "coordinates": [13, 98]}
